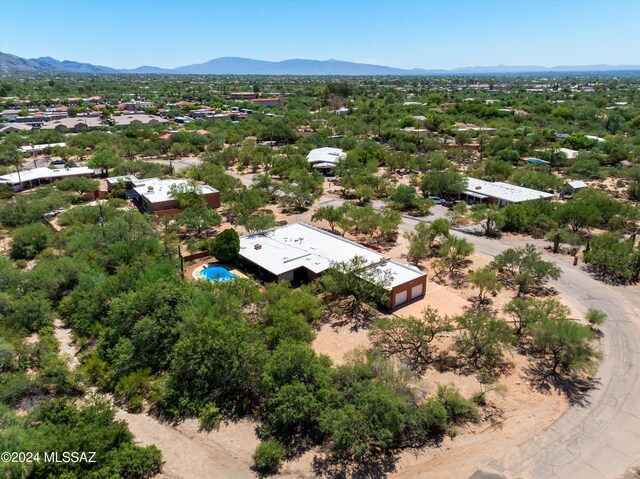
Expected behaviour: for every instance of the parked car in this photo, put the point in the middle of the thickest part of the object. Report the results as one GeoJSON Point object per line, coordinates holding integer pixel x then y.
{"type": "Point", "coordinates": [451, 203]}
{"type": "Point", "coordinates": [437, 199]}
{"type": "Point", "coordinates": [57, 162]}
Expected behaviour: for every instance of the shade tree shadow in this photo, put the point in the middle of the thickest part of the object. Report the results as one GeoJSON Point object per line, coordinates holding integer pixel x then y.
{"type": "Point", "coordinates": [575, 389]}
{"type": "Point", "coordinates": [370, 467]}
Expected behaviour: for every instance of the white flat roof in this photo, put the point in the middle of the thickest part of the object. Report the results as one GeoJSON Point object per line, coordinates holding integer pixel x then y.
{"type": "Point", "coordinates": [576, 185]}
{"type": "Point", "coordinates": [155, 190]}
{"type": "Point", "coordinates": [44, 174]}
{"type": "Point", "coordinates": [301, 245]}
{"type": "Point", "coordinates": [504, 191]}
{"type": "Point", "coordinates": [326, 155]}
{"type": "Point", "coordinates": [41, 147]}
{"type": "Point", "coordinates": [116, 179]}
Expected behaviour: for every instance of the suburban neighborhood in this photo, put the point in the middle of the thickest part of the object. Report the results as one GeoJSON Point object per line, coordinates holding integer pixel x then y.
{"type": "Point", "coordinates": [393, 265]}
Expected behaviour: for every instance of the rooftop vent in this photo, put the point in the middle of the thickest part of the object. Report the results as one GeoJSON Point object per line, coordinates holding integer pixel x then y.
{"type": "Point", "coordinates": [478, 187]}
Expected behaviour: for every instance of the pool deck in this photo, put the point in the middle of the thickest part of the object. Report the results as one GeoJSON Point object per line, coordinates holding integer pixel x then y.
{"type": "Point", "coordinates": [196, 268]}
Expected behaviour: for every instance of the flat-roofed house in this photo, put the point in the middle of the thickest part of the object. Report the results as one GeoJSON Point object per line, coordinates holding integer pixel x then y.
{"type": "Point", "coordinates": [36, 176]}
{"type": "Point", "coordinates": [155, 195]}
{"type": "Point", "coordinates": [302, 252]}
{"type": "Point", "coordinates": [325, 158]}
{"type": "Point", "coordinates": [570, 187]}
{"type": "Point", "coordinates": [480, 191]}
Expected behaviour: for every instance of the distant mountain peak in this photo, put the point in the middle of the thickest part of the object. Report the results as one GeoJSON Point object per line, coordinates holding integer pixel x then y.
{"type": "Point", "coordinates": [296, 66]}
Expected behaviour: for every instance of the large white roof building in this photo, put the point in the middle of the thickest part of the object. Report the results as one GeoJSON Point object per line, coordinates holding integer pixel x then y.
{"type": "Point", "coordinates": [310, 250]}
{"type": "Point", "coordinates": [326, 157]}
{"type": "Point", "coordinates": [502, 193]}
{"type": "Point", "coordinates": [36, 176]}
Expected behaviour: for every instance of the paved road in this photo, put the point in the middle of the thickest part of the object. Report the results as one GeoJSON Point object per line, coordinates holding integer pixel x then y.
{"type": "Point", "coordinates": [599, 439]}
{"type": "Point", "coordinates": [178, 164]}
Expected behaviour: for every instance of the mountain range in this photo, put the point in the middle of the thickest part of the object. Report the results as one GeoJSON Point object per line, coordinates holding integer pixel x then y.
{"type": "Point", "coordinates": [12, 64]}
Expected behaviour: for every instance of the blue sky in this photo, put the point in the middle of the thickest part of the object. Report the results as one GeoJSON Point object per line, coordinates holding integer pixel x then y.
{"type": "Point", "coordinates": [400, 33]}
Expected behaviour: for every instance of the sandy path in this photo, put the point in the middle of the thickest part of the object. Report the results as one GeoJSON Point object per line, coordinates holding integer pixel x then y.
{"type": "Point", "coordinates": [187, 453]}
{"type": "Point", "coordinates": [67, 348]}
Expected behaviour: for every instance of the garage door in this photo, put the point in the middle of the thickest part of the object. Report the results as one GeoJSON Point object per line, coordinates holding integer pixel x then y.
{"type": "Point", "coordinates": [400, 298]}
{"type": "Point", "coordinates": [417, 291]}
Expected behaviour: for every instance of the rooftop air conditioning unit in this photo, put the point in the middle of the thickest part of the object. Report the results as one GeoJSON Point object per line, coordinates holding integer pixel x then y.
{"type": "Point", "coordinates": [150, 189]}
{"type": "Point", "coordinates": [257, 246]}
{"type": "Point", "coordinates": [478, 187]}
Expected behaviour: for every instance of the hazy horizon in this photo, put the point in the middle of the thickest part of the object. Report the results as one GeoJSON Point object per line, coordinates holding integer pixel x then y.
{"type": "Point", "coordinates": [403, 34]}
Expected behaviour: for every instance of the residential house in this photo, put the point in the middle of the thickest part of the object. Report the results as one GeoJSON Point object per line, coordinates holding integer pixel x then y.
{"type": "Point", "coordinates": [480, 191]}
{"type": "Point", "coordinates": [325, 158]}
{"type": "Point", "coordinates": [37, 176]}
{"type": "Point", "coordinates": [301, 252]}
{"type": "Point", "coordinates": [153, 195]}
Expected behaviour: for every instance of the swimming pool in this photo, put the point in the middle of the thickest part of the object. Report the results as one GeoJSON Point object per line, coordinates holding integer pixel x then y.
{"type": "Point", "coordinates": [218, 274]}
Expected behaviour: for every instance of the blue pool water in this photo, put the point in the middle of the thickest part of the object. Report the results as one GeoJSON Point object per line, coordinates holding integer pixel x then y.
{"type": "Point", "coordinates": [218, 273]}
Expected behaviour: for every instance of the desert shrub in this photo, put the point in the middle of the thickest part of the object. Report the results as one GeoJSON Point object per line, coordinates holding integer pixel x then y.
{"type": "Point", "coordinates": [210, 416]}
{"type": "Point", "coordinates": [268, 456]}
{"type": "Point", "coordinates": [459, 408]}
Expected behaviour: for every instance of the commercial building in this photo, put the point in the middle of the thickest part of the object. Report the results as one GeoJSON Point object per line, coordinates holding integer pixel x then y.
{"type": "Point", "coordinates": [301, 252]}
{"type": "Point", "coordinates": [267, 102]}
{"type": "Point", "coordinates": [480, 191]}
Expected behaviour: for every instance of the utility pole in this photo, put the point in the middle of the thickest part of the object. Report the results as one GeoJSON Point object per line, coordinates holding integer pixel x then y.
{"type": "Point", "coordinates": [181, 261]}
{"type": "Point", "coordinates": [101, 221]}
{"type": "Point", "coordinates": [18, 170]}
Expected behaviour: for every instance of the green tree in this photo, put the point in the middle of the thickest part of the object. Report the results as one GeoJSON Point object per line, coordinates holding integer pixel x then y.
{"type": "Point", "coordinates": [578, 215]}
{"type": "Point", "coordinates": [30, 313]}
{"type": "Point", "coordinates": [613, 256]}
{"type": "Point", "coordinates": [105, 160]}
{"type": "Point", "coordinates": [421, 240]}
{"type": "Point", "coordinates": [330, 214]}
{"type": "Point", "coordinates": [225, 246]}
{"type": "Point", "coordinates": [188, 196]}
{"type": "Point", "coordinates": [457, 213]}
{"type": "Point", "coordinates": [200, 219]}
{"type": "Point", "coordinates": [443, 183]}
{"type": "Point", "coordinates": [259, 221]}
{"type": "Point", "coordinates": [482, 340]}
{"type": "Point", "coordinates": [565, 344]}
{"type": "Point", "coordinates": [356, 281]}
{"type": "Point", "coordinates": [526, 312]}
{"type": "Point", "coordinates": [268, 457]}
{"type": "Point", "coordinates": [29, 240]}
{"type": "Point", "coordinates": [491, 217]}
{"type": "Point", "coordinates": [525, 268]}
{"type": "Point", "coordinates": [410, 339]}
{"type": "Point", "coordinates": [595, 317]}
{"type": "Point", "coordinates": [485, 280]}
{"type": "Point", "coordinates": [79, 185]}
{"type": "Point", "coordinates": [453, 253]}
